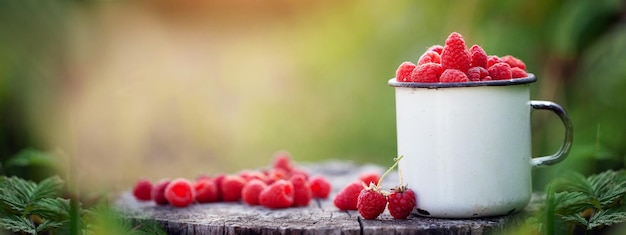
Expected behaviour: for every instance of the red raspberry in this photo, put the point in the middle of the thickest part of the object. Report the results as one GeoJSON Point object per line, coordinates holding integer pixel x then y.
{"type": "Point", "coordinates": [369, 177]}
{"type": "Point", "coordinates": [477, 73]}
{"type": "Point", "coordinates": [487, 78]}
{"type": "Point", "coordinates": [513, 62]}
{"type": "Point", "coordinates": [179, 193]}
{"type": "Point", "coordinates": [300, 171]}
{"type": "Point", "coordinates": [206, 190]}
{"type": "Point", "coordinates": [218, 182]}
{"type": "Point", "coordinates": [455, 54]}
{"type": "Point", "coordinates": [429, 57]}
{"type": "Point", "coordinates": [143, 190]}
{"type": "Point", "coordinates": [479, 57]}
{"type": "Point", "coordinates": [320, 187]}
{"type": "Point", "coordinates": [302, 191]}
{"type": "Point", "coordinates": [251, 191]}
{"type": "Point", "coordinates": [500, 71]}
{"type": "Point", "coordinates": [158, 192]}
{"type": "Point", "coordinates": [404, 71]}
{"type": "Point", "coordinates": [278, 195]}
{"type": "Point", "coordinates": [282, 160]}
{"type": "Point", "coordinates": [371, 202]}
{"type": "Point", "coordinates": [231, 188]}
{"type": "Point", "coordinates": [453, 75]}
{"type": "Point", "coordinates": [492, 59]}
{"type": "Point", "coordinates": [436, 48]}
{"type": "Point", "coordinates": [276, 174]}
{"type": "Point", "coordinates": [428, 72]}
{"type": "Point", "coordinates": [518, 73]}
{"type": "Point", "coordinates": [250, 175]}
{"type": "Point", "coordinates": [401, 202]}
{"type": "Point", "coordinates": [347, 198]}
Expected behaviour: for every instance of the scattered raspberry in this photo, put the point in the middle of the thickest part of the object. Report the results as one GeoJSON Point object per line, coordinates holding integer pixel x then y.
{"type": "Point", "coordinates": [401, 202]}
{"type": "Point", "coordinates": [477, 73]}
{"type": "Point", "coordinates": [158, 192]}
{"type": "Point", "coordinates": [320, 187]}
{"type": "Point", "coordinates": [492, 59]}
{"type": "Point", "coordinates": [453, 75]}
{"type": "Point", "coordinates": [206, 190]}
{"type": "Point", "coordinates": [250, 175]}
{"type": "Point", "coordinates": [429, 57]}
{"type": "Point", "coordinates": [371, 202]}
{"type": "Point", "coordinates": [455, 54]}
{"type": "Point", "coordinates": [231, 188]}
{"type": "Point", "coordinates": [518, 73]}
{"type": "Point", "coordinates": [479, 57]}
{"type": "Point", "coordinates": [251, 191]}
{"type": "Point", "coordinates": [278, 195]}
{"type": "Point", "coordinates": [428, 72]}
{"type": "Point", "coordinates": [179, 193]}
{"type": "Point", "coordinates": [300, 171]}
{"type": "Point", "coordinates": [369, 177]}
{"type": "Point", "coordinates": [282, 160]}
{"type": "Point", "coordinates": [143, 190]}
{"type": "Point", "coordinates": [276, 174]}
{"type": "Point", "coordinates": [513, 62]}
{"type": "Point", "coordinates": [218, 182]}
{"type": "Point", "coordinates": [500, 71]}
{"type": "Point", "coordinates": [302, 191]}
{"type": "Point", "coordinates": [347, 198]}
{"type": "Point", "coordinates": [436, 48]}
{"type": "Point", "coordinates": [404, 71]}
{"type": "Point", "coordinates": [487, 78]}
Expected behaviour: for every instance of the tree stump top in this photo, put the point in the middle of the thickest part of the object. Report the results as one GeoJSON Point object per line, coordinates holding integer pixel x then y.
{"type": "Point", "coordinates": [320, 217]}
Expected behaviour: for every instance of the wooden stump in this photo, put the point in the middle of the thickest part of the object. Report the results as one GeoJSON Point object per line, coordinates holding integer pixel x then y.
{"type": "Point", "coordinates": [320, 217]}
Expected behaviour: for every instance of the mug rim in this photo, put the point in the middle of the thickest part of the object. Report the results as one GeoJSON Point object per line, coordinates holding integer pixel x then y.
{"type": "Point", "coordinates": [433, 85]}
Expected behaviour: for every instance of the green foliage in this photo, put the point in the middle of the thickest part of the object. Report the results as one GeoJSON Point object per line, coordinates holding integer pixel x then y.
{"type": "Point", "coordinates": [24, 202]}
{"type": "Point", "coordinates": [35, 208]}
{"type": "Point", "coordinates": [591, 203]}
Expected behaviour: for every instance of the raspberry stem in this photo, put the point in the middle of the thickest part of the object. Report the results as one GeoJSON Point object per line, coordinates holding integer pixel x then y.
{"type": "Point", "coordinates": [396, 160]}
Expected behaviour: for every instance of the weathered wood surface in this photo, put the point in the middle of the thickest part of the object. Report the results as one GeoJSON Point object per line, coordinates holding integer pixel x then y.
{"type": "Point", "coordinates": [320, 217]}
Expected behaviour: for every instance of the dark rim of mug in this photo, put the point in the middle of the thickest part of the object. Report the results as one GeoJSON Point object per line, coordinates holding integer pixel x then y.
{"type": "Point", "coordinates": [434, 85]}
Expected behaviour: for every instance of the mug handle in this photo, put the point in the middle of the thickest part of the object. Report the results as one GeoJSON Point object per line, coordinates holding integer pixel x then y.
{"type": "Point", "coordinates": [567, 141]}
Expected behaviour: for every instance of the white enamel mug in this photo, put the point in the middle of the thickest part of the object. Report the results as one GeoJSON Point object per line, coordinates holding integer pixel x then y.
{"type": "Point", "coordinates": [467, 146]}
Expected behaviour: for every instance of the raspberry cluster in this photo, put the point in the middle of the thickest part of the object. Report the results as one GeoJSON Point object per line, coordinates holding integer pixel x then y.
{"type": "Point", "coordinates": [281, 185]}
{"type": "Point", "coordinates": [366, 196]}
{"type": "Point", "coordinates": [455, 63]}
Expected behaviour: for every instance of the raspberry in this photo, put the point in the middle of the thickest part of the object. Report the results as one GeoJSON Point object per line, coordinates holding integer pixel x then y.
{"type": "Point", "coordinates": [492, 59]}
{"type": "Point", "coordinates": [143, 190]}
{"type": "Point", "coordinates": [436, 48]}
{"type": "Point", "coordinates": [487, 78]}
{"type": "Point", "coordinates": [401, 202]}
{"type": "Point", "coordinates": [479, 57]}
{"type": "Point", "coordinates": [518, 73]}
{"type": "Point", "coordinates": [404, 71]}
{"type": "Point", "coordinates": [477, 73]}
{"type": "Point", "coordinates": [513, 62]}
{"type": "Point", "coordinates": [500, 71]}
{"type": "Point", "coordinates": [453, 75]}
{"type": "Point", "coordinates": [179, 193]}
{"type": "Point", "coordinates": [250, 175]}
{"type": "Point", "coordinates": [455, 54]}
{"type": "Point", "coordinates": [428, 72]}
{"type": "Point", "coordinates": [300, 171]}
{"type": "Point", "coordinates": [371, 202]}
{"type": "Point", "coordinates": [206, 190]}
{"type": "Point", "coordinates": [218, 182]}
{"type": "Point", "coordinates": [231, 188]}
{"type": "Point", "coordinates": [347, 198]}
{"type": "Point", "coordinates": [429, 57]}
{"type": "Point", "coordinates": [320, 187]}
{"type": "Point", "coordinates": [158, 192]}
{"type": "Point", "coordinates": [278, 195]}
{"type": "Point", "coordinates": [276, 174]}
{"type": "Point", "coordinates": [251, 191]}
{"type": "Point", "coordinates": [369, 177]}
{"type": "Point", "coordinates": [282, 160]}
{"type": "Point", "coordinates": [302, 191]}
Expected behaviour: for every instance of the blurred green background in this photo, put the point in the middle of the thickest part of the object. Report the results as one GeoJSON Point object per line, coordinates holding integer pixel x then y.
{"type": "Point", "coordinates": [117, 90]}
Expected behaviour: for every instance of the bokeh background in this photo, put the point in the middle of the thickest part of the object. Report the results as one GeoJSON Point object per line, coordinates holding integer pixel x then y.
{"type": "Point", "coordinates": [111, 91]}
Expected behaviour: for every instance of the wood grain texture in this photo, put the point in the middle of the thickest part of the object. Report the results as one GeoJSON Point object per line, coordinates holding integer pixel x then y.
{"type": "Point", "coordinates": [320, 217]}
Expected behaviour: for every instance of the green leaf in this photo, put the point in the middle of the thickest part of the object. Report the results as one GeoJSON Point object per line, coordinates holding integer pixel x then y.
{"type": "Point", "coordinates": [49, 224]}
{"type": "Point", "coordinates": [607, 217]}
{"type": "Point", "coordinates": [49, 187]}
{"type": "Point", "coordinates": [31, 157]}
{"type": "Point", "coordinates": [571, 202]}
{"type": "Point", "coordinates": [55, 209]}
{"type": "Point", "coordinates": [17, 224]}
